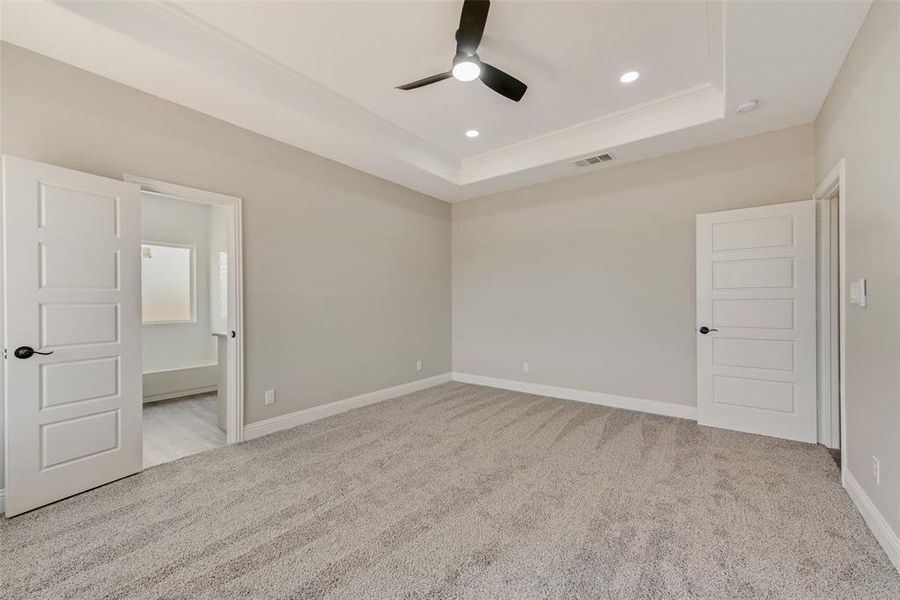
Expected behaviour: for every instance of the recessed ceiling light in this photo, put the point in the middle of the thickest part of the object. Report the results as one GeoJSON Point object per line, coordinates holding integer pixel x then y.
{"type": "Point", "coordinates": [466, 70]}
{"type": "Point", "coordinates": [629, 77]}
{"type": "Point", "coordinates": [472, 133]}
{"type": "Point", "coordinates": [747, 106]}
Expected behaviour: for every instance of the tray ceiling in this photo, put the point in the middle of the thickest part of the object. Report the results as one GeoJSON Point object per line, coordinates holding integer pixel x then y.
{"type": "Point", "coordinates": [321, 76]}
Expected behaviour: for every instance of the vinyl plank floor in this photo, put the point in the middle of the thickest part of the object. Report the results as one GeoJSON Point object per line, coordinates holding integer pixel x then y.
{"type": "Point", "coordinates": [180, 427]}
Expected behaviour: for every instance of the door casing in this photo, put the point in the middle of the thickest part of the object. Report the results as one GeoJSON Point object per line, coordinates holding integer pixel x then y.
{"type": "Point", "coordinates": [833, 185]}
{"type": "Point", "coordinates": [235, 401]}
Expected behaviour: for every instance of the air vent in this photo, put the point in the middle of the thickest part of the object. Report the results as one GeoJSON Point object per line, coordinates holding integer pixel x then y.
{"type": "Point", "coordinates": [593, 160]}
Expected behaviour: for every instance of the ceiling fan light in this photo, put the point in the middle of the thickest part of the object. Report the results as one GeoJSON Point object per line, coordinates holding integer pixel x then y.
{"type": "Point", "coordinates": [466, 70]}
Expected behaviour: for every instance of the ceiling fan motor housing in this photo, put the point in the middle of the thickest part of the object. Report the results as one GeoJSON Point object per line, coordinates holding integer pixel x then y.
{"type": "Point", "coordinates": [467, 65]}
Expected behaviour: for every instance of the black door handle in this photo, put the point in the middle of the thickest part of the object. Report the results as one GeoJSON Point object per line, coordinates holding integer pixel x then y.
{"type": "Point", "coordinates": [704, 330]}
{"type": "Point", "coordinates": [28, 352]}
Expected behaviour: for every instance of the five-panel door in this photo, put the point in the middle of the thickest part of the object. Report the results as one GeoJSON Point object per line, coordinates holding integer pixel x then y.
{"type": "Point", "coordinates": [756, 286]}
{"type": "Point", "coordinates": [72, 286]}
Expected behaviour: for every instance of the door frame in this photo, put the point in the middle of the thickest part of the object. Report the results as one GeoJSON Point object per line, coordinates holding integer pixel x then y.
{"type": "Point", "coordinates": [235, 399]}
{"type": "Point", "coordinates": [3, 339]}
{"type": "Point", "coordinates": [834, 185]}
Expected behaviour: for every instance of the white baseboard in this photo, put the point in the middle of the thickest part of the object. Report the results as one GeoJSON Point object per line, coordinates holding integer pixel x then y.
{"type": "Point", "coordinates": [886, 536]}
{"type": "Point", "coordinates": [2, 501]}
{"type": "Point", "coordinates": [180, 381]}
{"type": "Point", "coordinates": [639, 404]}
{"type": "Point", "coordinates": [181, 394]}
{"type": "Point", "coordinates": [260, 428]}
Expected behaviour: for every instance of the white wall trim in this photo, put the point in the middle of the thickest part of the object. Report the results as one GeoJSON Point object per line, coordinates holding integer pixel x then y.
{"type": "Point", "coordinates": [687, 108]}
{"type": "Point", "coordinates": [176, 382]}
{"type": "Point", "coordinates": [827, 316]}
{"type": "Point", "coordinates": [235, 355]}
{"type": "Point", "coordinates": [209, 389]}
{"type": "Point", "coordinates": [836, 183]}
{"type": "Point", "coordinates": [886, 536]}
{"type": "Point", "coordinates": [307, 415]}
{"type": "Point", "coordinates": [639, 404]}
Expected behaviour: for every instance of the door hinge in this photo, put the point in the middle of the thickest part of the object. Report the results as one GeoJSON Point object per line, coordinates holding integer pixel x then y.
{"type": "Point", "coordinates": [4, 354]}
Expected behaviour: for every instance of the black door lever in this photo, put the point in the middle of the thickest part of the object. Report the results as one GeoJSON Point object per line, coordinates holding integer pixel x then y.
{"type": "Point", "coordinates": [704, 330]}
{"type": "Point", "coordinates": [28, 352]}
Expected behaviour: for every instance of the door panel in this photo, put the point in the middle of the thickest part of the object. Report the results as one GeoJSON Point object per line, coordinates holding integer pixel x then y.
{"type": "Point", "coordinates": [756, 313]}
{"type": "Point", "coordinates": [79, 210]}
{"type": "Point", "coordinates": [79, 438]}
{"type": "Point", "coordinates": [72, 286]}
{"type": "Point", "coordinates": [79, 324]}
{"type": "Point", "coordinates": [762, 232]}
{"type": "Point", "coordinates": [754, 393]}
{"type": "Point", "coordinates": [79, 268]}
{"type": "Point", "coordinates": [740, 274]}
{"type": "Point", "coordinates": [79, 380]}
{"type": "Point", "coordinates": [753, 354]}
{"type": "Point", "coordinates": [756, 367]}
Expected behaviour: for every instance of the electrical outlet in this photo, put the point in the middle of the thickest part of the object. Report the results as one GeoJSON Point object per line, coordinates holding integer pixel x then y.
{"type": "Point", "coordinates": [526, 368]}
{"type": "Point", "coordinates": [270, 397]}
{"type": "Point", "coordinates": [418, 365]}
{"type": "Point", "coordinates": [876, 470]}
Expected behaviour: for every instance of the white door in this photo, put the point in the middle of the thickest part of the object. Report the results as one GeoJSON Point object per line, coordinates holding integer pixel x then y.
{"type": "Point", "coordinates": [72, 292]}
{"type": "Point", "coordinates": [756, 295]}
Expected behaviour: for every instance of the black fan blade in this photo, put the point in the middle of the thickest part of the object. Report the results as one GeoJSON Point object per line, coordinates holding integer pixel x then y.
{"type": "Point", "coordinates": [502, 83]}
{"type": "Point", "coordinates": [471, 25]}
{"type": "Point", "coordinates": [426, 81]}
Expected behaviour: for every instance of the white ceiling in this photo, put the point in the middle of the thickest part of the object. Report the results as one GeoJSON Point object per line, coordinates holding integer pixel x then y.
{"type": "Point", "coordinates": [570, 53]}
{"type": "Point", "coordinates": [321, 76]}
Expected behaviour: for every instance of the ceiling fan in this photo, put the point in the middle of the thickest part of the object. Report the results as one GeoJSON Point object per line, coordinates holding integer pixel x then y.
{"type": "Point", "coordinates": [467, 66]}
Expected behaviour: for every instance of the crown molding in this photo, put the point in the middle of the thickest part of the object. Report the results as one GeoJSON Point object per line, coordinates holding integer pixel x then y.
{"type": "Point", "coordinates": [694, 106]}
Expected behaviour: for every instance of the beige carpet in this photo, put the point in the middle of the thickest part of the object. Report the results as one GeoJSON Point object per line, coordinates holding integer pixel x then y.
{"type": "Point", "coordinates": [463, 492]}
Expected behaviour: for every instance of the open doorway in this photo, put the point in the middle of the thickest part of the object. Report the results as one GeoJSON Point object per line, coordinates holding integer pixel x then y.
{"type": "Point", "coordinates": [830, 299]}
{"type": "Point", "coordinates": [190, 311]}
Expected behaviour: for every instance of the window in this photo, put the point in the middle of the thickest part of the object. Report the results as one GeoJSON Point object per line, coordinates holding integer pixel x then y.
{"type": "Point", "coordinates": [167, 277]}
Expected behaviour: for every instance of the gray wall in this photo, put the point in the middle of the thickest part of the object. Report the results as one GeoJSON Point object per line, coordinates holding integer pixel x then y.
{"type": "Point", "coordinates": [347, 277]}
{"type": "Point", "coordinates": [591, 279]}
{"type": "Point", "coordinates": [177, 345]}
{"type": "Point", "coordinates": [860, 121]}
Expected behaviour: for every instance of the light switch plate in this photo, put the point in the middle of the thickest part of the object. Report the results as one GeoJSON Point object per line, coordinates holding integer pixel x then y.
{"type": "Point", "coordinates": [858, 292]}
{"type": "Point", "coordinates": [270, 397]}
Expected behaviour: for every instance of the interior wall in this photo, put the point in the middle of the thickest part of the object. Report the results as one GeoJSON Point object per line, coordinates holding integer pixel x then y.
{"type": "Point", "coordinates": [860, 122]}
{"type": "Point", "coordinates": [591, 279]}
{"type": "Point", "coordinates": [179, 345]}
{"type": "Point", "coordinates": [346, 276]}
